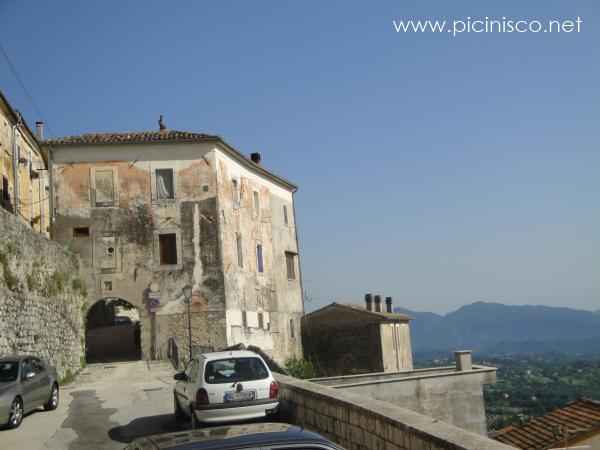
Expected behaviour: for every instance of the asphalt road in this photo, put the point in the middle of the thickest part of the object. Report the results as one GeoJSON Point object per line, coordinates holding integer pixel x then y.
{"type": "Point", "coordinates": [107, 407]}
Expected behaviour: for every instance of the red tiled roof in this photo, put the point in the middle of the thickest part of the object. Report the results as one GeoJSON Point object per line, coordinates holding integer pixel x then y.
{"type": "Point", "coordinates": [135, 137]}
{"type": "Point", "coordinates": [580, 417]}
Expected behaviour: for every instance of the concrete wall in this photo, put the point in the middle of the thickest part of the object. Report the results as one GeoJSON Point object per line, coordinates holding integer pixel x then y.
{"type": "Point", "coordinates": [270, 294]}
{"type": "Point", "coordinates": [30, 202]}
{"type": "Point", "coordinates": [41, 297]}
{"type": "Point", "coordinates": [455, 397]}
{"type": "Point", "coordinates": [356, 422]}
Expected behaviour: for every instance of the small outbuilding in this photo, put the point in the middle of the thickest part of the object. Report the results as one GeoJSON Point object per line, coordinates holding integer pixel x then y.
{"type": "Point", "coordinates": [344, 339]}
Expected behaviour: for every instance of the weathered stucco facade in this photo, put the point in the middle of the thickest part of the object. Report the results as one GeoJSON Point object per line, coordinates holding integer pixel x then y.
{"type": "Point", "coordinates": [24, 182]}
{"type": "Point", "coordinates": [153, 213]}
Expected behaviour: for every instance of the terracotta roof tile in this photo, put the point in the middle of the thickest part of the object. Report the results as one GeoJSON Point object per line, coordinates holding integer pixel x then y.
{"type": "Point", "coordinates": [135, 137]}
{"type": "Point", "coordinates": [580, 417]}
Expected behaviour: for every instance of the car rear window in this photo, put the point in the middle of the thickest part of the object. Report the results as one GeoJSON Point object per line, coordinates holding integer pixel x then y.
{"type": "Point", "coordinates": [8, 371]}
{"type": "Point", "coordinates": [235, 369]}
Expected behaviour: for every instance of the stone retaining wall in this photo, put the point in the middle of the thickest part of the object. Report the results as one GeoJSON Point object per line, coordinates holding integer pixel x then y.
{"type": "Point", "coordinates": [41, 298]}
{"type": "Point", "coordinates": [360, 423]}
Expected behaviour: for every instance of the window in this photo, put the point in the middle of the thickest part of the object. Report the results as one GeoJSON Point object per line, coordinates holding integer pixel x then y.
{"type": "Point", "coordinates": [236, 193]}
{"type": "Point", "coordinates": [165, 188]}
{"type": "Point", "coordinates": [259, 258]}
{"type": "Point", "coordinates": [234, 370]}
{"type": "Point", "coordinates": [104, 187]}
{"type": "Point", "coordinates": [5, 192]}
{"type": "Point", "coordinates": [8, 371]}
{"type": "Point", "coordinates": [285, 215]}
{"type": "Point", "coordinates": [240, 253]}
{"type": "Point", "coordinates": [107, 286]}
{"type": "Point", "coordinates": [292, 334]}
{"type": "Point", "coordinates": [167, 249]}
{"type": "Point", "coordinates": [256, 204]}
{"type": "Point", "coordinates": [291, 265]}
{"type": "Point", "coordinates": [261, 323]}
{"type": "Point", "coordinates": [81, 232]}
{"type": "Point", "coordinates": [244, 319]}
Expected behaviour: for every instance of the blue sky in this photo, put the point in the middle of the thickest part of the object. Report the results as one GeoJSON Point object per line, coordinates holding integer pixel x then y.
{"type": "Point", "coordinates": [439, 170]}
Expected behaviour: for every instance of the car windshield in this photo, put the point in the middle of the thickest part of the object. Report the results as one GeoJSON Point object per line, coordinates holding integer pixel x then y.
{"type": "Point", "coordinates": [235, 369]}
{"type": "Point", "coordinates": [8, 371]}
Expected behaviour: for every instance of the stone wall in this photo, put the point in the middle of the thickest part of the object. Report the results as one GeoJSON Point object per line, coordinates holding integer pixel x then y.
{"type": "Point", "coordinates": [41, 297]}
{"type": "Point", "coordinates": [356, 422]}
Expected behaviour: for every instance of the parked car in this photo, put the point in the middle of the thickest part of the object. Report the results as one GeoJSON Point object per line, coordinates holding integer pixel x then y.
{"type": "Point", "coordinates": [225, 386]}
{"type": "Point", "coordinates": [26, 383]}
{"type": "Point", "coordinates": [266, 436]}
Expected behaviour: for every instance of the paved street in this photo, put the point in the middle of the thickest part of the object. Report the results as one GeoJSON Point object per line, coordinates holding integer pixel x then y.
{"type": "Point", "coordinates": [108, 406]}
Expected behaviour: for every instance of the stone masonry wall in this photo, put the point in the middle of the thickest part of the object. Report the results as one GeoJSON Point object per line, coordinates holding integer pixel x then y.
{"type": "Point", "coordinates": [360, 423]}
{"type": "Point", "coordinates": [41, 298]}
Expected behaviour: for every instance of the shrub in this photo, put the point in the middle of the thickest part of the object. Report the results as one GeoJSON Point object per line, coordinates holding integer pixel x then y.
{"type": "Point", "coordinates": [300, 368]}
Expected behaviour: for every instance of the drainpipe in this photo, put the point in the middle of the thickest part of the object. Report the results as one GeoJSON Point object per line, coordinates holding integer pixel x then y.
{"type": "Point", "coordinates": [15, 165]}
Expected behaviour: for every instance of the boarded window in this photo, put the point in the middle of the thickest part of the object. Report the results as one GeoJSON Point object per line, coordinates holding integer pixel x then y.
{"type": "Point", "coordinates": [291, 265]}
{"type": "Point", "coordinates": [168, 249]}
{"type": "Point", "coordinates": [261, 322]}
{"type": "Point", "coordinates": [81, 232]}
{"type": "Point", "coordinates": [107, 252]}
{"type": "Point", "coordinates": [240, 253]}
{"type": "Point", "coordinates": [285, 215]}
{"type": "Point", "coordinates": [165, 187]}
{"type": "Point", "coordinates": [105, 187]}
{"type": "Point", "coordinates": [256, 204]}
{"type": "Point", "coordinates": [259, 258]}
{"type": "Point", "coordinates": [236, 193]}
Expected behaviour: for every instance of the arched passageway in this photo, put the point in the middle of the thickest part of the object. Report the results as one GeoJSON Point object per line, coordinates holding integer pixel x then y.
{"type": "Point", "coordinates": [112, 331]}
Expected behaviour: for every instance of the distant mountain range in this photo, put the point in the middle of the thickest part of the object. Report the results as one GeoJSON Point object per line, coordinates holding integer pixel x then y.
{"type": "Point", "coordinates": [493, 328]}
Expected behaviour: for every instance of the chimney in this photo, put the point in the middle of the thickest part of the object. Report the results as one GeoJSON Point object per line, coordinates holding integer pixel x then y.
{"type": "Point", "coordinates": [378, 303]}
{"type": "Point", "coordinates": [161, 124]}
{"type": "Point", "coordinates": [464, 360]}
{"type": "Point", "coordinates": [388, 304]}
{"type": "Point", "coordinates": [255, 157]}
{"type": "Point", "coordinates": [369, 301]}
{"type": "Point", "coordinates": [39, 130]}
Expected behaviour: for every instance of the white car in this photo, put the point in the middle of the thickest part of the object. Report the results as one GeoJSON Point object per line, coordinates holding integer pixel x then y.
{"type": "Point", "coordinates": [225, 387]}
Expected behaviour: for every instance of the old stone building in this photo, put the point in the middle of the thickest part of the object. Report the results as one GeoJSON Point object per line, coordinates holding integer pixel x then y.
{"type": "Point", "coordinates": [342, 339]}
{"type": "Point", "coordinates": [24, 182]}
{"type": "Point", "coordinates": [160, 217]}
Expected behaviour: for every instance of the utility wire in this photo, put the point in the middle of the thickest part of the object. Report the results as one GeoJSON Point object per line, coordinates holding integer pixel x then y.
{"type": "Point", "coordinates": [14, 71]}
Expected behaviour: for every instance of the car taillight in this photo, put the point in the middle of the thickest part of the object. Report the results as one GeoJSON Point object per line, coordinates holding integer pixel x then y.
{"type": "Point", "coordinates": [202, 397]}
{"type": "Point", "coordinates": [273, 389]}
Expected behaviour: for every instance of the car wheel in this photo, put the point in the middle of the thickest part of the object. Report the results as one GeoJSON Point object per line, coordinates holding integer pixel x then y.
{"type": "Point", "coordinates": [52, 402]}
{"type": "Point", "coordinates": [16, 413]}
{"type": "Point", "coordinates": [179, 413]}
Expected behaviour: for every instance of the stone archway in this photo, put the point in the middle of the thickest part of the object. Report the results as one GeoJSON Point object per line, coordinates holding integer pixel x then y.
{"type": "Point", "coordinates": [112, 331]}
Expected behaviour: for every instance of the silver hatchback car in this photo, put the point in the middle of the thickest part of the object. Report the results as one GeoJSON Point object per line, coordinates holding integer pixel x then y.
{"type": "Point", "coordinates": [26, 383]}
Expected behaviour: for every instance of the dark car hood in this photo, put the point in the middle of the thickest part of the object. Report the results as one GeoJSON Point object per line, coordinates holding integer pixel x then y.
{"type": "Point", "coordinates": [5, 387]}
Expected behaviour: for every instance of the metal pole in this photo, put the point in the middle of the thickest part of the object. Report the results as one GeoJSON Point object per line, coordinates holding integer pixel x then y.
{"type": "Point", "coordinates": [188, 301]}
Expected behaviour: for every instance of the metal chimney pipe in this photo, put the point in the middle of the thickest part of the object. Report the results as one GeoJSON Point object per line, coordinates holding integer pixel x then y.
{"type": "Point", "coordinates": [255, 157]}
{"type": "Point", "coordinates": [378, 303]}
{"type": "Point", "coordinates": [388, 304]}
{"type": "Point", "coordinates": [39, 130]}
{"type": "Point", "coordinates": [369, 302]}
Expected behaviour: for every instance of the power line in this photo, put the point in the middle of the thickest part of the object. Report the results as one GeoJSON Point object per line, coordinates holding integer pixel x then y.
{"type": "Point", "coordinates": [14, 71]}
